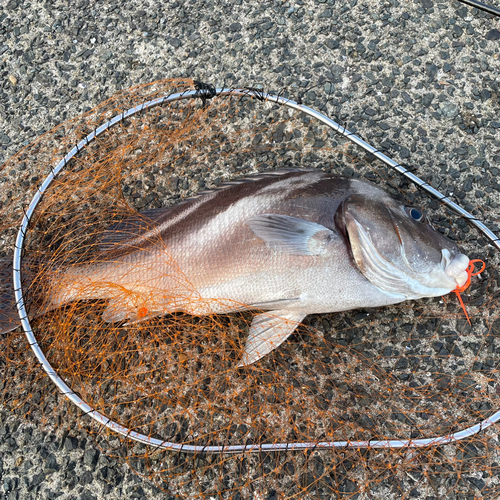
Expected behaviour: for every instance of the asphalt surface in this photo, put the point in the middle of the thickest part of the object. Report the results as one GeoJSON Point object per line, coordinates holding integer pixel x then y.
{"type": "Point", "coordinates": [418, 79]}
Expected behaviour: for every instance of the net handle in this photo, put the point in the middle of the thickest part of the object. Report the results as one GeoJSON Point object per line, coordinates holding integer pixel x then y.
{"type": "Point", "coordinates": [167, 445]}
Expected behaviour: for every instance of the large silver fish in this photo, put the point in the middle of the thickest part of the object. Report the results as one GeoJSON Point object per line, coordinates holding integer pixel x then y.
{"type": "Point", "coordinates": [290, 243]}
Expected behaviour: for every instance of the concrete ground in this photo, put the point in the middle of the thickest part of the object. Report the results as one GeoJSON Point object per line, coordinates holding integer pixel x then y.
{"type": "Point", "coordinates": [419, 79]}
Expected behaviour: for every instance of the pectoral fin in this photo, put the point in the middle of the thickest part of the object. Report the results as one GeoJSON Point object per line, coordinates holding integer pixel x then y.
{"type": "Point", "coordinates": [268, 331]}
{"type": "Point", "coordinates": [290, 234]}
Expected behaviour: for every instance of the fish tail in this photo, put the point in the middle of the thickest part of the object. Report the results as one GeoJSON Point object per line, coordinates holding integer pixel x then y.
{"type": "Point", "coordinates": [9, 317]}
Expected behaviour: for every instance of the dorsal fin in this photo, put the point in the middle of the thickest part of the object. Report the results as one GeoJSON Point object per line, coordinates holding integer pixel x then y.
{"type": "Point", "coordinates": [120, 232]}
{"type": "Point", "coordinates": [258, 176]}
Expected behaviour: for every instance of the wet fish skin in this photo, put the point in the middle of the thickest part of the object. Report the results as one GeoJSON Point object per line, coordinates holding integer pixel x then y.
{"type": "Point", "coordinates": [290, 243]}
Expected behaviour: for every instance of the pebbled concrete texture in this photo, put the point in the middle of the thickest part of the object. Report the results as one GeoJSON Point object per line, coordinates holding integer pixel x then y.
{"type": "Point", "coordinates": [418, 79]}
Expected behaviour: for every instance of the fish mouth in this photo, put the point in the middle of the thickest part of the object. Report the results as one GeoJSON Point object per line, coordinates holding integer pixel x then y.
{"type": "Point", "coordinates": [456, 268]}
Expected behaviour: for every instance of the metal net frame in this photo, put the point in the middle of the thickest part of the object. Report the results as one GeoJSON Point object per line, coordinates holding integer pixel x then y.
{"type": "Point", "coordinates": [204, 93]}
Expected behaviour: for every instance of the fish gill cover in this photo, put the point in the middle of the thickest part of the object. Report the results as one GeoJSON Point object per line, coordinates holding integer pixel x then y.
{"type": "Point", "coordinates": [414, 370]}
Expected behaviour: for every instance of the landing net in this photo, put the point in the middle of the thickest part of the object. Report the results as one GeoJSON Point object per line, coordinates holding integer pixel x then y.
{"type": "Point", "coordinates": [352, 403]}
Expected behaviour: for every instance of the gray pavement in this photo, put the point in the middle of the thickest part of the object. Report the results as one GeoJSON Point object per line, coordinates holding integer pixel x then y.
{"type": "Point", "coordinates": [419, 79]}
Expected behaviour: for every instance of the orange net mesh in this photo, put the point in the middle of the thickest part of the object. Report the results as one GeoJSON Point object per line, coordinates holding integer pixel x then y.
{"type": "Point", "coordinates": [409, 371]}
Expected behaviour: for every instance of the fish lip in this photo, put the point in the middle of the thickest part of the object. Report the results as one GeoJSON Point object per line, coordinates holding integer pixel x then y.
{"type": "Point", "coordinates": [462, 279]}
{"type": "Point", "coordinates": [456, 268]}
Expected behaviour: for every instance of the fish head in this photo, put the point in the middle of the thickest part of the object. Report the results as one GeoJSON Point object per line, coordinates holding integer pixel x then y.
{"type": "Point", "coordinates": [397, 249]}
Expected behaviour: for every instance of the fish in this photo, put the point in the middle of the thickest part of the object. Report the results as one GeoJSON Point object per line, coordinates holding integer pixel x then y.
{"type": "Point", "coordinates": [286, 243]}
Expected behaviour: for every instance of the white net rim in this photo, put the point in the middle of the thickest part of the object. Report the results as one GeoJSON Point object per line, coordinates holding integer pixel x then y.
{"type": "Point", "coordinates": [266, 447]}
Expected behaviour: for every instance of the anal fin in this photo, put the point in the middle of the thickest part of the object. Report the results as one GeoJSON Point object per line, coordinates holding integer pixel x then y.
{"type": "Point", "coordinates": [117, 311]}
{"type": "Point", "coordinates": [268, 331]}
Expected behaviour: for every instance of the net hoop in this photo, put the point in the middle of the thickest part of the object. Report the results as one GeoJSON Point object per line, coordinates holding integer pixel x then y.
{"type": "Point", "coordinates": [66, 391]}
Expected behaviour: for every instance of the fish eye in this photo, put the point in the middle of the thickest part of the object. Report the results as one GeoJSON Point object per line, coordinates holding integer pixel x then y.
{"type": "Point", "coordinates": [416, 214]}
